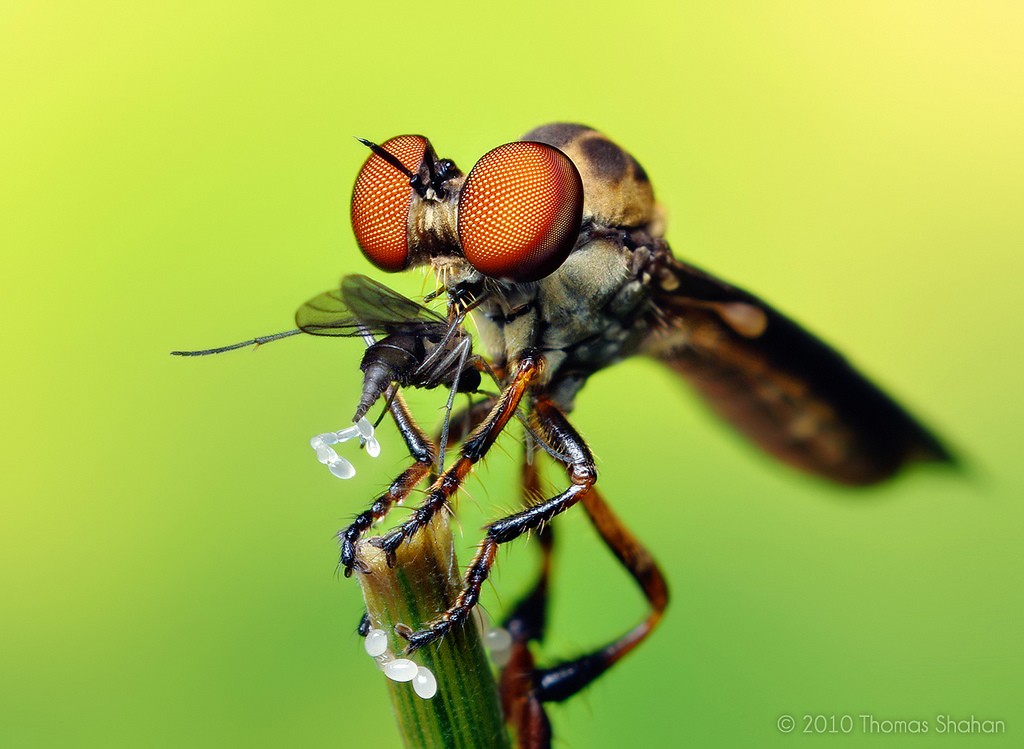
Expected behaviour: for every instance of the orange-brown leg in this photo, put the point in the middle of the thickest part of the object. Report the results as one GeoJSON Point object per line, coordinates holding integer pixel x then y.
{"type": "Point", "coordinates": [462, 423]}
{"type": "Point", "coordinates": [564, 680]}
{"type": "Point", "coordinates": [473, 449]}
{"type": "Point", "coordinates": [526, 624]}
{"type": "Point", "coordinates": [582, 475]}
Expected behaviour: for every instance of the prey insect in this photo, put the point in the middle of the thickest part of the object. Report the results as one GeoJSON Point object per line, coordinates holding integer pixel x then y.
{"type": "Point", "coordinates": [557, 244]}
{"type": "Point", "coordinates": [419, 347]}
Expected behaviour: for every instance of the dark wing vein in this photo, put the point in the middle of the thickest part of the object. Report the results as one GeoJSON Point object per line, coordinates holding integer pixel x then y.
{"type": "Point", "coordinates": [362, 304]}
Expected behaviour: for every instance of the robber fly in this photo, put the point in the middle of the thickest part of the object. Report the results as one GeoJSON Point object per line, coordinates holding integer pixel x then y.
{"type": "Point", "coordinates": [556, 243]}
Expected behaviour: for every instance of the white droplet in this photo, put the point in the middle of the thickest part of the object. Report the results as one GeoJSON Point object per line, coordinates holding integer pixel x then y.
{"type": "Point", "coordinates": [328, 438]}
{"type": "Point", "coordinates": [376, 642]}
{"type": "Point", "coordinates": [372, 447]}
{"type": "Point", "coordinates": [365, 428]}
{"type": "Point", "coordinates": [400, 669]}
{"type": "Point", "coordinates": [424, 684]}
{"type": "Point", "coordinates": [500, 658]}
{"type": "Point", "coordinates": [344, 435]}
{"type": "Point", "coordinates": [316, 442]}
{"type": "Point", "coordinates": [497, 639]}
{"type": "Point", "coordinates": [342, 468]}
{"type": "Point", "coordinates": [326, 454]}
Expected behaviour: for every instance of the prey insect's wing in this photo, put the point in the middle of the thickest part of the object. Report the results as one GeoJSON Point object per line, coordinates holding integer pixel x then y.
{"type": "Point", "coordinates": [361, 304]}
{"type": "Point", "coordinates": [787, 391]}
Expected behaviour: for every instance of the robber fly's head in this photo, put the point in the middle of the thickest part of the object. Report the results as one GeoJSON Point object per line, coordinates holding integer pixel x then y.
{"type": "Point", "coordinates": [515, 217]}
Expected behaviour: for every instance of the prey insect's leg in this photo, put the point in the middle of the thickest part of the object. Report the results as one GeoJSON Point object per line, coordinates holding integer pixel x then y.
{"type": "Point", "coordinates": [582, 475]}
{"type": "Point", "coordinates": [465, 420]}
{"type": "Point", "coordinates": [460, 423]}
{"type": "Point", "coordinates": [463, 350]}
{"type": "Point", "coordinates": [424, 454]}
{"type": "Point", "coordinates": [473, 449]}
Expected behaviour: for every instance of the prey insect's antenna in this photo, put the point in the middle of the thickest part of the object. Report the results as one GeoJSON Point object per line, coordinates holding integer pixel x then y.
{"type": "Point", "coordinates": [251, 342]}
{"type": "Point", "coordinates": [390, 158]}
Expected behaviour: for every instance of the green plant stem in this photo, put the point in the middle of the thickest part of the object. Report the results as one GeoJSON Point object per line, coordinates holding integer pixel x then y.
{"type": "Point", "coordinates": [466, 712]}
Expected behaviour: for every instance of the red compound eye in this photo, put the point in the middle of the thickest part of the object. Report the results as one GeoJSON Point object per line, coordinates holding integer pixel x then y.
{"type": "Point", "coordinates": [381, 200]}
{"type": "Point", "coordinates": [520, 211]}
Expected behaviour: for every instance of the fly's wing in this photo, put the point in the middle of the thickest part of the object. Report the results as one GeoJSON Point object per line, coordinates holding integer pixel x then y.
{"type": "Point", "coordinates": [791, 394]}
{"type": "Point", "coordinates": [363, 304]}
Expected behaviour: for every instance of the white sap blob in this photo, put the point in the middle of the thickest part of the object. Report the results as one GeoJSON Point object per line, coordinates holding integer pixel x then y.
{"type": "Point", "coordinates": [424, 684]}
{"type": "Point", "coordinates": [400, 669]}
{"type": "Point", "coordinates": [376, 642]}
{"type": "Point", "coordinates": [497, 639]}
{"type": "Point", "coordinates": [500, 658]}
{"type": "Point", "coordinates": [326, 454]}
{"type": "Point", "coordinates": [342, 468]}
{"type": "Point", "coordinates": [365, 428]}
{"type": "Point", "coordinates": [344, 435]}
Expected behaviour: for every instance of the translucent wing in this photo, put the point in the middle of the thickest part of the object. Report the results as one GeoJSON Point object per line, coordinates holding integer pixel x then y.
{"type": "Point", "coordinates": [787, 391]}
{"type": "Point", "coordinates": [363, 304]}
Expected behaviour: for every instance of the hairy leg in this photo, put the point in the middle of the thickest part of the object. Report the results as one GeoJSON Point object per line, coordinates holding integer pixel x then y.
{"type": "Point", "coordinates": [582, 475]}
{"type": "Point", "coordinates": [423, 452]}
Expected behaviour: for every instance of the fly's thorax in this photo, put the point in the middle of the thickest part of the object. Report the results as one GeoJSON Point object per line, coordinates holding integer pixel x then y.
{"type": "Point", "coordinates": [617, 190]}
{"type": "Point", "coordinates": [588, 314]}
{"type": "Point", "coordinates": [572, 302]}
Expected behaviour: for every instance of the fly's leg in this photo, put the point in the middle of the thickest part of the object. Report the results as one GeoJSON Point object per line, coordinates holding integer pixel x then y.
{"type": "Point", "coordinates": [520, 704]}
{"type": "Point", "coordinates": [566, 679]}
{"type": "Point", "coordinates": [524, 688]}
{"type": "Point", "coordinates": [473, 449]}
{"type": "Point", "coordinates": [582, 475]}
{"type": "Point", "coordinates": [465, 420]}
{"type": "Point", "coordinates": [461, 424]}
{"type": "Point", "coordinates": [529, 617]}
{"type": "Point", "coordinates": [519, 701]}
{"type": "Point", "coordinates": [423, 452]}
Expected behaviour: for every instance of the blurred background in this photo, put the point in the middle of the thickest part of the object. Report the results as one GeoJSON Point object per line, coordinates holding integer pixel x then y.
{"type": "Point", "coordinates": [178, 175]}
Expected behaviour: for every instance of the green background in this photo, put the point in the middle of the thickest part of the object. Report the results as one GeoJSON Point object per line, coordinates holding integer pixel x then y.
{"type": "Point", "coordinates": [177, 175]}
